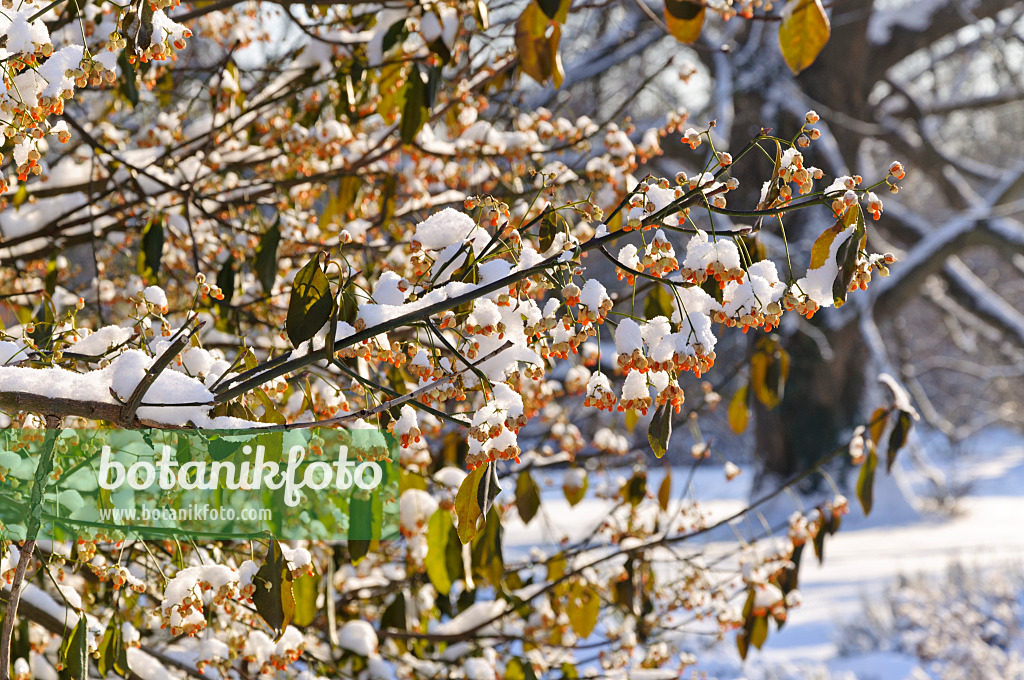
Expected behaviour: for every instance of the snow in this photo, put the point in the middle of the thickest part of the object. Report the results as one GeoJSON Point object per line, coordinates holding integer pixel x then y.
{"type": "Point", "coordinates": [406, 421]}
{"type": "Point", "coordinates": [11, 352]}
{"type": "Point", "coordinates": [472, 618]}
{"type": "Point", "coordinates": [701, 252]}
{"type": "Point", "coordinates": [358, 637]}
{"type": "Point", "coordinates": [415, 508]}
{"type": "Point", "coordinates": [387, 290]}
{"type": "Point", "coordinates": [478, 669]}
{"type": "Point", "coordinates": [912, 15]}
{"type": "Point", "coordinates": [122, 376]}
{"type": "Point", "coordinates": [635, 386]}
{"type": "Point", "coordinates": [864, 558]}
{"type": "Point", "coordinates": [760, 287]}
{"type": "Point", "coordinates": [628, 256]}
{"type": "Point", "coordinates": [155, 296]}
{"type": "Point", "coordinates": [593, 294]}
{"type": "Point", "coordinates": [443, 229]}
{"type": "Point", "coordinates": [628, 337]}
{"type": "Point", "coordinates": [99, 341]}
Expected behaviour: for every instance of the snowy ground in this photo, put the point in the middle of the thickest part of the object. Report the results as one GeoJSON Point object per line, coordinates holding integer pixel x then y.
{"type": "Point", "coordinates": [863, 559]}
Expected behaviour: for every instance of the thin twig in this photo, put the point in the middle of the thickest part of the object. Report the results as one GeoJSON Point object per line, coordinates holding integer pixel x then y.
{"type": "Point", "coordinates": [162, 362]}
{"type": "Point", "coordinates": [43, 468]}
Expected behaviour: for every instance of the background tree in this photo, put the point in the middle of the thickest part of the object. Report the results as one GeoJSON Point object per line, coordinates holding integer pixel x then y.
{"type": "Point", "coordinates": [935, 84]}
{"type": "Point", "coordinates": [203, 159]}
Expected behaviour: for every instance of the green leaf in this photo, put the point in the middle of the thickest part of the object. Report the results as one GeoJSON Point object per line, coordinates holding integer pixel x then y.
{"type": "Point", "coordinates": [20, 196]}
{"type": "Point", "coordinates": [833, 523]}
{"type": "Point", "coordinates": [866, 480]}
{"type": "Point", "coordinates": [393, 35]}
{"type": "Point", "coordinates": [265, 265]}
{"type": "Point", "coordinates": [803, 32]}
{"type": "Point", "coordinates": [416, 110]}
{"type": "Point", "coordinates": [517, 669]}
{"type": "Point", "coordinates": [748, 605]}
{"type": "Point", "coordinates": [226, 282]}
{"type": "Point", "coordinates": [453, 554]}
{"type": "Point", "coordinates": [584, 609]}
{"type": "Point", "coordinates": [759, 631]}
{"type": "Point", "coordinates": [791, 574]}
{"type": "Point", "coordinates": [846, 258]}
{"type": "Point", "coordinates": [51, 275]}
{"type": "Point", "coordinates": [635, 489]}
{"type": "Point", "coordinates": [270, 412]}
{"type": "Point", "coordinates": [660, 429]}
{"type": "Point", "coordinates": [742, 645]}
{"type": "Point", "coordinates": [113, 656]}
{"type": "Point", "coordinates": [575, 495]}
{"type": "Point", "coordinates": [311, 303]}
{"type": "Point", "coordinates": [21, 645]}
{"type": "Point", "coordinates": [340, 206]}
{"type": "Point", "coordinates": [394, 616]}
{"type": "Point", "coordinates": [488, 489]}
{"type": "Point", "coordinates": [684, 19]}
{"type": "Point", "coordinates": [527, 497]}
{"type": "Point", "coordinates": [152, 250]}
{"type": "Point", "coordinates": [738, 413]}
{"type": "Point", "coordinates": [819, 538]}
{"type": "Point", "coordinates": [438, 532]}
{"type": "Point", "coordinates": [127, 84]}
{"type": "Point", "coordinates": [548, 229]}
{"type": "Point", "coordinates": [388, 195]}
{"type": "Point", "coordinates": [273, 598]}
{"type": "Point", "coordinates": [879, 419]}
{"type": "Point", "coordinates": [366, 516]}
{"type": "Point", "coordinates": [440, 48]}
{"type": "Point", "coordinates": [898, 437]}
{"type": "Point", "coordinates": [305, 590]}
{"type": "Point", "coordinates": [659, 302]}
{"type": "Point", "coordinates": [486, 551]}
{"type": "Point", "coordinates": [537, 41]}
{"type": "Point", "coordinates": [74, 652]}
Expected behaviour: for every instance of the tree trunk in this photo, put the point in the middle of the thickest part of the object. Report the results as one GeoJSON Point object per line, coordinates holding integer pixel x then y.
{"type": "Point", "coordinates": [826, 377]}
{"type": "Point", "coordinates": [822, 399]}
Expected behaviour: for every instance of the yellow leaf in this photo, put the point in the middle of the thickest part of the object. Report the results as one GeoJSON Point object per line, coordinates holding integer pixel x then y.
{"type": "Point", "coordinates": [822, 245]}
{"type": "Point", "coordinates": [878, 421]}
{"type": "Point", "coordinates": [665, 490]}
{"type": "Point", "coordinates": [584, 609]}
{"type": "Point", "coordinates": [769, 369]}
{"type": "Point", "coordinates": [537, 39]}
{"type": "Point", "coordinates": [803, 33]}
{"type": "Point", "coordinates": [631, 420]}
{"type": "Point", "coordinates": [684, 19]}
{"type": "Point", "coordinates": [738, 413]}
